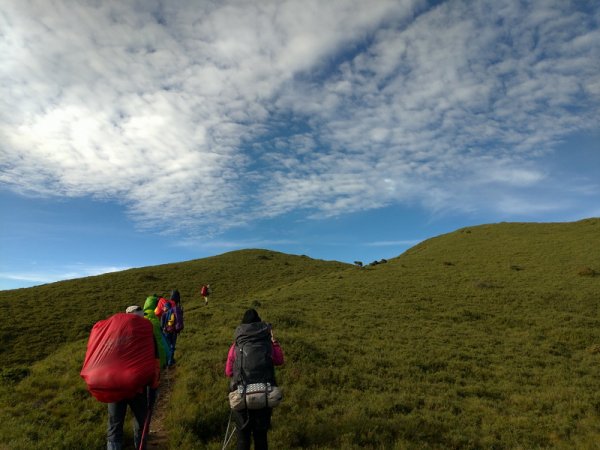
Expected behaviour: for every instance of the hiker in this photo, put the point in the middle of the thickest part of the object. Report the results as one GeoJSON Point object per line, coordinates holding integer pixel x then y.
{"type": "Point", "coordinates": [122, 368]}
{"type": "Point", "coordinates": [163, 345]}
{"type": "Point", "coordinates": [175, 296]}
{"type": "Point", "coordinates": [160, 306]}
{"type": "Point", "coordinates": [139, 404]}
{"type": "Point", "coordinates": [172, 325]}
{"type": "Point", "coordinates": [251, 339]}
{"type": "Point", "coordinates": [205, 292]}
{"type": "Point", "coordinates": [151, 302]}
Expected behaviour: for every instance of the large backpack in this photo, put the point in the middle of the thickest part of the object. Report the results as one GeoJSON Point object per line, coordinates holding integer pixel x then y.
{"type": "Point", "coordinates": [120, 358]}
{"type": "Point", "coordinates": [172, 319]}
{"type": "Point", "coordinates": [253, 359]}
{"type": "Point", "coordinates": [163, 346]}
{"type": "Point", "coordinates": [253, 383]}
{"type": "Point", "coordinates": [158, 311]}
{"type": "Point", "coordinates": [168, 319]}
{"type": "Point", "coordinates": [151, 302]}
{"type": "Point", "coordinates": [178, 310]}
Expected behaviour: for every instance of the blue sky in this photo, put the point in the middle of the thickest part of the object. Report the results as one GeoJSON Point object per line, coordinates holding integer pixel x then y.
{"type": "Point", "coordinates": [136, 133]}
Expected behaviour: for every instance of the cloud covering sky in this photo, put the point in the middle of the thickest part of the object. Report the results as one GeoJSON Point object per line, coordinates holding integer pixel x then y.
{"type": "Point", "coordinates": [258, 110]}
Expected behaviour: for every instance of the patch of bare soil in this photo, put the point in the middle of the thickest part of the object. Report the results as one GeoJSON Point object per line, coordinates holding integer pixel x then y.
{"type": "Point", "coordinates": [157, 438]}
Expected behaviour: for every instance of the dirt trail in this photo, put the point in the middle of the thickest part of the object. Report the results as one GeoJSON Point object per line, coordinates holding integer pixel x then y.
{"type": "Point", "coordinates": [157, 439]}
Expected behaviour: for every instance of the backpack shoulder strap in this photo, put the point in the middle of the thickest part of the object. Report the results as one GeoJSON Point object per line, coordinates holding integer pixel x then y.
{"type": "Point", "coordinates": [165, 319]}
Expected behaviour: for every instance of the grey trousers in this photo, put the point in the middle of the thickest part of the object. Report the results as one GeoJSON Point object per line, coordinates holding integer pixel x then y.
{"type": "Point", "coordinates": [116, 420]}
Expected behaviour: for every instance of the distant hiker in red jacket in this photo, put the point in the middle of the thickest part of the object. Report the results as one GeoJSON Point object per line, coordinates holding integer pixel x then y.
{"type": "Point", "coordinates": [205, 292]}
{"type": "Point", "coordinates": [253, 337]}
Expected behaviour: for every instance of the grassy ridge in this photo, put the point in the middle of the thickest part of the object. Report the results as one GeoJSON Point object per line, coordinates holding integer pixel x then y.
{"type": "Point", "coordinates": [487, 337]}
{"type": "Point", "coordinates": [57, 313]}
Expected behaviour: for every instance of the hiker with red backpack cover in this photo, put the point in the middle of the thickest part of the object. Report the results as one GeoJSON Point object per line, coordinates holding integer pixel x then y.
{"type": "Point", "coordinates": [122, 368]}
{"type": "Point", "coordinates": [250, 363]}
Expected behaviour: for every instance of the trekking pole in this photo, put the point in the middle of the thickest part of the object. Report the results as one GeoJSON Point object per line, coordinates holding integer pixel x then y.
{"type": "Point", "coordinates": [228, 435]}
{"type": "Point", "coordinates": [150, 401]}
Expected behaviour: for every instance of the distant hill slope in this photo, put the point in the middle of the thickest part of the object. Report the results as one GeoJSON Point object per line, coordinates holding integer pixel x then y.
{"type": "Point", "coordinates": [528, 257]}
{"type": "Point", "coordinates": [487, 337]}
{"type": "Point", "coordinates": [557, 247]}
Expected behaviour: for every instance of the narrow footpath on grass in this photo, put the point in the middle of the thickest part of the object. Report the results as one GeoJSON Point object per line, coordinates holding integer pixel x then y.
{"type": "Point", "coordinates": [158, 438]}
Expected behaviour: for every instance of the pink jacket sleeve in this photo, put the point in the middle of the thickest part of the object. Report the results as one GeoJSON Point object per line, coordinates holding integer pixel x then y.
{"type": "Point", "coordinates": [277, 358]}
{"type": "Point", "coordinates": [230, 360]}
{"type": "Point", "coordinates": [277, 354]}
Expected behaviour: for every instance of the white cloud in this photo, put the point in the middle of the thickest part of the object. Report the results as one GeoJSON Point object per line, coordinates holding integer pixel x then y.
{"type": "Point", "coordinates": [456, 92]}
{"type": "Point", "coordinates": [207, 115]}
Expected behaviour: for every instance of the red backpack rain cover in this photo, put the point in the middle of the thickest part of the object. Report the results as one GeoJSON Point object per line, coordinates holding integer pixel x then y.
{"type": "Point", "coordinates": [119, 360]}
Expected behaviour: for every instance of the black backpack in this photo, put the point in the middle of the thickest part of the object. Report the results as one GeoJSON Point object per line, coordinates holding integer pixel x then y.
{"type": "Point", "coordinates": [253, 358]}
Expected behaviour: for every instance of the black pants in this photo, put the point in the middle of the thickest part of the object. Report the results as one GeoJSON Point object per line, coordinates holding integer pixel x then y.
{"type": "Point", "coordinates": [252, 423]}
{"type": "Point", "coordinates": [116, 420]}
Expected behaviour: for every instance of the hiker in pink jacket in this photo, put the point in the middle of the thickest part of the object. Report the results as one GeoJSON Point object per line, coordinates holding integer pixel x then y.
{"type": "Point", "coordinates": [253, 339]}
{"type": "Point", "coordinates": [277, 356]}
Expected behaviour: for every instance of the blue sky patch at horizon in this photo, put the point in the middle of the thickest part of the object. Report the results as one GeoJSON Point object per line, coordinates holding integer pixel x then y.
{"type": "Point", "coordinates": [139, 133]}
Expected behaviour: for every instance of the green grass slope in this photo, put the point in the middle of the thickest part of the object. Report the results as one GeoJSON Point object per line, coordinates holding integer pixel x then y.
{"type": "Point", "coordinates": [57, 313]}
{"type": "Point", "coordinates": [484, 338]}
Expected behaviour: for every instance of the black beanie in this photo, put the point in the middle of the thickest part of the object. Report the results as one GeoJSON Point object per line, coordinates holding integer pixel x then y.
{"type": "Point", "coordinates": [250, 316]}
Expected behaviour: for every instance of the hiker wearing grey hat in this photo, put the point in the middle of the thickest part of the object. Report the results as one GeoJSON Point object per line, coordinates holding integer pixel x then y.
{"type": "Point", "coordinates": [141, 403]}
{"type": "Point", "coordinates": [135, 309]}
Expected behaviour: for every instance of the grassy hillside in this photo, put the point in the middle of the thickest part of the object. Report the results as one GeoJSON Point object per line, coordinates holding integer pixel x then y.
{"type": "Point", "coordinates": [57, 313]}
{"type": "Point", "coordinates": [487, 337]}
